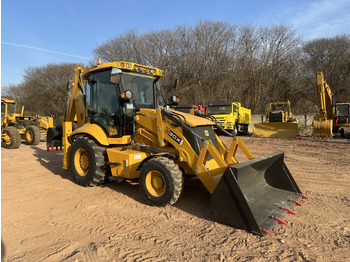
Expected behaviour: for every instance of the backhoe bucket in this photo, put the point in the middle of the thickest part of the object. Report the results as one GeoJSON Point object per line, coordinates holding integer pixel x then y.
{"type": "Point", "coordinates": [276, 129]}
{"type": "Point", "coordinates": [323, 129]}
{"type": "Point", "coordinates": [256, 194]}
{"type": "Point", "coordinates": [54, 137]}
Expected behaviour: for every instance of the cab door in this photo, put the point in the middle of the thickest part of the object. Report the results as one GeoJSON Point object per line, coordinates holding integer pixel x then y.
{"type": "Point", "coordinates": [103, 102]}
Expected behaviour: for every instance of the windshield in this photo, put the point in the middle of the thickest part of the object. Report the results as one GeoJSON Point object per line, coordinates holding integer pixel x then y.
{"type": "Point", "coordinates": [141, 87]}
{"type": "Point", "coordinates": [11, 108]}
{"type": "Point", "coordinates": [143, 95]}
{"type": "Point", "coordinates": [219, 110]}
{"type": "Point", "coordinates": [342, 110]}
{"type": "Point", "coordinates": [278, 107]}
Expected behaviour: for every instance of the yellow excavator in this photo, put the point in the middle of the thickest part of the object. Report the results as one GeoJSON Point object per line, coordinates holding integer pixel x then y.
{"type": "Point", "coordinates": [127, 131]}
{"type": "Point", "coordinates": [332, 117]}
{"type": "Point", "coordinates": [279, 121]}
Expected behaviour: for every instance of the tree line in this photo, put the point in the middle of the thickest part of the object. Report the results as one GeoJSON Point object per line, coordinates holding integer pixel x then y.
{"type": "Point", "coordinates": [213, 61]}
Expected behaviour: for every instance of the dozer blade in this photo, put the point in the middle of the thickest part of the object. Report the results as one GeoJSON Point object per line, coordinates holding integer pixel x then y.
{"type": "Point", "coordinates": [276, 129]}
{"type": "Point", "coordinates": [256, 194]}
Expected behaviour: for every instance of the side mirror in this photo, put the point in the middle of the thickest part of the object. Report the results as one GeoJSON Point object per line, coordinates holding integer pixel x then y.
{"type": "Point", "coordinates": [116, 75]}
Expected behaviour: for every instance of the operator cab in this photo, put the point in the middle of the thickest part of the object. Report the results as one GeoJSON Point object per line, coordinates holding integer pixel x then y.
{"type": "Point", "coordinates": [113, 96]}
{"type": "Point", "coordinates": [342, 113]}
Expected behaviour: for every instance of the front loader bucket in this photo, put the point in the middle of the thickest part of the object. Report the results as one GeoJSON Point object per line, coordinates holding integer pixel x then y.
{"type": "Point", "coordinates": [256, 194]}
{"type": "Point", "coordinates": [276, 129]}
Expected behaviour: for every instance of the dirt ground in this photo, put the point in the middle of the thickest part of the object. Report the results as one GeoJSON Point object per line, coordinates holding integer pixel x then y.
{"type": "Point", "coordinates": [45, 216]}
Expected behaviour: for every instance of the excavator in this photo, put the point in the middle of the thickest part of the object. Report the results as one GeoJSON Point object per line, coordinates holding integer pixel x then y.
{"type": "Point", "coordinates": [279, 121]}
{"type": "Point", "coordinates": [126, 131]}
{"type": "Point", "coordinates": [333, 117]}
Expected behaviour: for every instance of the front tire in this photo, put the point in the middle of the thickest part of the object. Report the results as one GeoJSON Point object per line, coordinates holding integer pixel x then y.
{"type": "Point", "coordinates": [161, 181]}
{"type": "Point", "coordinates": [88, 162]}
{"type": "Point", "coordinates": [10, 137]}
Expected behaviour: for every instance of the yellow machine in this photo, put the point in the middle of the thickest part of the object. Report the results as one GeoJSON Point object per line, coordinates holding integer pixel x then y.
{"type": "Point", "coordinates": [231, 116]}
{"type": "Point", "coordinates": [279, 122]}
{"type": "Point", "coordinates": [126, 131]}
{"type": "Point", "coordinates": [332, 117]}
{"type": "Point", "coordinates": [16, 128]}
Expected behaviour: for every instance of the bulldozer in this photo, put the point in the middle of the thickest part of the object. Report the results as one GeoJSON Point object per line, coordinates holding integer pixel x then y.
{"type": "Point", "coordinates": [279, 121]}
{"type": "Point", "coordinates": [15, 127]}
{"type": "Point", "coordinates": [126, 131]}
{"type": "Point", "coordinates": [333, 117]}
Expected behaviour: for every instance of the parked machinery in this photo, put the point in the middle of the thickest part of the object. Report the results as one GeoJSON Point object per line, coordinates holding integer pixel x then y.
{"type": "Point", "coordinates": [279, 121]}
{"type": "Point", "coordinates": [231, 116]}
{"type": "Point", "coordinates": [126, 131]}
{"type": "Point", "coordinates": [15, 127]}
{"type": "Point", "coordinates": [333, 117]}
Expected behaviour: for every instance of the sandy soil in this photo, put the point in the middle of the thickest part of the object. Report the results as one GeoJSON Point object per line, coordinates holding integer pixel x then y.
{"type": "Point", "coordinates": [45, 216]}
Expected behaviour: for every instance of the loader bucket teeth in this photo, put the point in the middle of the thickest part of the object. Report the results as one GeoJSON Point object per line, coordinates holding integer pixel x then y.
{"type": "Point", "coordinates": [249, 194]}
{"type": "Point", "coordinates": [288, 210]}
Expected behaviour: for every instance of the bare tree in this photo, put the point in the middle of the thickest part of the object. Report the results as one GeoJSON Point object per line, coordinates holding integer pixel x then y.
{"type": "Point", "coordinates": [43, 90]}
{"type": "Point", "coordinates": [332, 57]}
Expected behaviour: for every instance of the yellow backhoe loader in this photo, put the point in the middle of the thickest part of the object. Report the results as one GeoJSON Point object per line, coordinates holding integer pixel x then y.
{"type": "Point", "coordinates": [126, 131]}
{"type": "Point", "coordinates": [15, 127]}
{"type": "Point", "coordinates": [279, 122]}
{"type": "Point", "coordinates": [332, 117]}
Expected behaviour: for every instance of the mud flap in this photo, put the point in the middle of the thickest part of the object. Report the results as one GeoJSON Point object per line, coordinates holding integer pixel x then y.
{"type": "Point", "coordinates": [251, 195]}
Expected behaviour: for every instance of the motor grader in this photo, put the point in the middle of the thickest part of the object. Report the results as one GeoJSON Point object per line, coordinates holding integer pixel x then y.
{"type": "Point", "coordinates": [279, 121]}
{"type": "Point", "coordinates": [126, 131]}
{"type": "Point", "coordinates": [332, 117]}
{"type": "Point", "coordinates": [15, 127]}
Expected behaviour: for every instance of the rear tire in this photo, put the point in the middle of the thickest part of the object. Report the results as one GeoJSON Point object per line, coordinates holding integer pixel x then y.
{"type": "Point", "coordinates": [32, 135]}
{"type": "Point", "coordinates": [161, 181]}
{"type": "Point", "coordinates": [87, 161]}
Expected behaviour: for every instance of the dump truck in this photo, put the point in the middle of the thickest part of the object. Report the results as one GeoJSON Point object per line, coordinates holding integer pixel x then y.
{"type": "Point", "coordinates": [279, 121]}
{"type": "Point", "coordinates": [126, 132]}
{"type": "Point", "coordinates": [15, 127]}
{"type": "Point", "coordinates": [231, 116]}
{"type": "Point", "coordinates": [333, 117]}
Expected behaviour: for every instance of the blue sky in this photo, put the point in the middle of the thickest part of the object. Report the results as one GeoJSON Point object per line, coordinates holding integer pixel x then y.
{"type": "Point", "coordinates": [39, 32]}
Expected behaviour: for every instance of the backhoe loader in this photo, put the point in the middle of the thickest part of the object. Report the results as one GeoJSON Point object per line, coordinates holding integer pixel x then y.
{"type": "Point", "coordinates": [333, 117]}
{"type": "Point", "coordinates": [279, 121]}
{"type": "Point", "coordinates": [126, 131]}
{"type": "Point", "coordinates": [15, 127]}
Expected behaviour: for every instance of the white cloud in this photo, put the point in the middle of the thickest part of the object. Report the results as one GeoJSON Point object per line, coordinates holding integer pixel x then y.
{"type": "Point", "coordinates": [324, 18]}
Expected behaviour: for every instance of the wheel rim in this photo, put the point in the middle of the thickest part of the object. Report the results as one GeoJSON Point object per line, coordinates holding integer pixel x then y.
{"type": "Point", "coordinates": [155, 183]}
{"type": "Point", "coordinates": [7, 139]}
{"type": "Point", "coordinates": [29, 136]}
{"type": "Point", "coordinates": [81, 162]}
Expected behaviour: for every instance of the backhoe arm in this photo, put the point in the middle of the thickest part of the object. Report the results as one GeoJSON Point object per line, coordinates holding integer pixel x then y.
{"type": "Point", "coordinates": [75, 102]}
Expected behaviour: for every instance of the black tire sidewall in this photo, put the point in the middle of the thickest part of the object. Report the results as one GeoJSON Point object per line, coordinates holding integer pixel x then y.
{"type": "Point", "coordinates": [163, 200]}
{"type": "Point", "coordinates": [13, 133]}
{"type": "Point", "coordinates": [36, 135]}
{"type": "Point", "coordinates": [89, 177]}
